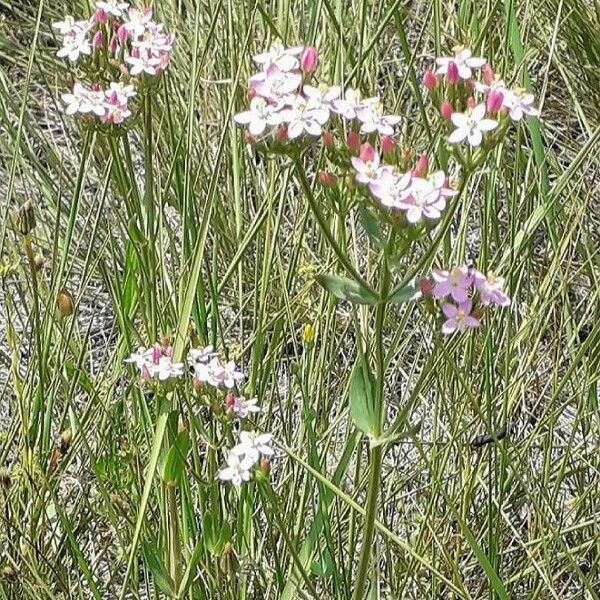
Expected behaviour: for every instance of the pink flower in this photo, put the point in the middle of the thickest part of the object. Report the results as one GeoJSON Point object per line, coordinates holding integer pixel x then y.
{"type": "Point", "coordinates": [471, 126]}
{"type": "Point", "coordinates": [390, 186]}
{"type": "Point", "coordinates": [156, 363]}
{"type": "Point", "coordinates": [366, 167]}
{"type": "Point", "coordinates": [348, 106]}
{"type": "Point", "coordinates": [519, 104]}
{"type": "Point", "coordinates": [455, 283]}
{"type": "Point", "coordinates": [422, 199]}
{"type": "Point", "coordinates": [261, 116]}
{"type": "Point", "coordinates": [116, 109]}
{"type": "Point", "coordinates": [494, 101]}
{"type": "Point", "coordinates": [490, 289]}
{"type": "Point", "coordinates": [458, 318]}
{"type": "Point", "coordinates": [463, 61]}
{"type": "Point", "coordinates": [113, 7]}
{"type": "Point", "coordinates": [144, 63]}
{"type": "Point", "coordinates": [323, 96]}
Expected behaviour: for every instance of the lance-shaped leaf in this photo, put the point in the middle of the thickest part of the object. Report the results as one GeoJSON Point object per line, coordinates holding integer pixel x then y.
{"type": "Point", "coordinates": [363, 409]}
{"type": "Point", "coordinates": [346, 289]}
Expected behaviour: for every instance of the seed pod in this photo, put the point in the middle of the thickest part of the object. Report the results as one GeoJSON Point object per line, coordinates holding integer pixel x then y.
{"type": "Point", "coordinates": [65, 303]}
{"type": "Point", "coordinates": [38, 262]}
{"type": "Point", "coordinates": [26, 218]}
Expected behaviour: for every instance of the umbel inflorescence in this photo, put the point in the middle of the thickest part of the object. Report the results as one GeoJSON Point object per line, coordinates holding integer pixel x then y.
{"type": "Point", "coordinates": [116, 50]}
{"type": "Point", "coordinates": [289, 110]}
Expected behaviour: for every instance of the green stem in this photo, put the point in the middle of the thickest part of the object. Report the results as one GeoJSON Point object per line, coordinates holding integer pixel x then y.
{"type": "Point", "coordinates": [376, 453]}
{"type": "Point", "coordinates": [174, 541]}
{"type": "Point", "coordinates": [341, 256]}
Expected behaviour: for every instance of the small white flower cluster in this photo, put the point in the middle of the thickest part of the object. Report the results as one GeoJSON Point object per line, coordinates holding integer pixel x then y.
{"type": "Point", "coordinates": [417, 194]}
{"type": "Point", "coordinates": [156, 363]}
{"type": "Point", "coordinates": [282, 101]}
{"type": "Point", "coordinates": [123, 33]}
{"type": "Point", "coordinates": [111, 105]}
{"type": "Point", "coordinates": [209, 369]}
{"type": "Point", "coordinates": [244, 456]}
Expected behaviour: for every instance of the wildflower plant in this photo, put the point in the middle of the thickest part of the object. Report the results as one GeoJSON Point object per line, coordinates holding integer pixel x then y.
{"type": "Point", "coordinates": [400, 201]}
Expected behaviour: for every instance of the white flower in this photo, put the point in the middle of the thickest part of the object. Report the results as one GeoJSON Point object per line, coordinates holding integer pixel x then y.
{"type": "Point", "coordinates": [137, 20]}
{"type": "Point", "coordinates": [471, 126]}
{"type": "Point", "coordinates": [156, 362]}
{"type": "Point", "coordinates": [242, 407]}
{"type": "Point", "coordinates": [84, 101]}
{"type": "Point", "coordinates": [422, 199]}
{"type": "Point", "coordinates": [113, 7]}
{"type": "Point", "coordinates": [323, 96]}
{"type": "Point", "coordinates": [143, 64]}
{"type": "Point", "coordinates": [285, 59]}
{"type": "Point", "coordinates": [75, 44]}
{"type": "Point", "coordinates": [200, 355]}
{"type": "Point", "coordinates": [217, 374]}
{"type": "Point", "coordinates": [305, 116]}
{"type": "Point", "coordinates": [464, 61]}
{"type": "Point", "coordinates": [70, 26]}
{"type": "Point", "coordinates": [122, 91]}
{"type": "Point", "coordinates": [352, 103]}
{"type": "Point", "coordinates": [390, 185]}
{"type": "Point", "coordinates": [260, 117]}
{"type": "Point", "coordinates": [237, 470]}
{"type": "Point", "coordinates": [373, 120]}
{"type": "Point", "coordinates": [276, 85]}
{"type": "Point", "coordinates": [519, 103]}
{"type": "Point", "coordinates": [253, 445]}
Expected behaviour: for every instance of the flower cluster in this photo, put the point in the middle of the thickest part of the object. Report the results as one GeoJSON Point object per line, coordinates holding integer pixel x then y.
{"type": "Point", "coordinates": [245, 455]}
{"type": "Point", "coordinates": [465, 293]}
{"type": "Point", "coordinates": [285, 106]}
{"type": "Point", "coordinates": [418, 193]}
{"type": "Point", "coordinates": [156, 363]}
{"type": "Point", "coordinates": [126, 43]}
{"type": "Point", "coordinates": [475, 107]}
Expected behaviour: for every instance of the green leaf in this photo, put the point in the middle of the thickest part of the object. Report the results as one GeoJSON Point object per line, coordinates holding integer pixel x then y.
{"type": "Point", "coordinates": [372, 226]}
{"type": "Point", "coordinates": [162, 579]}
{"type": "Point", "coordinates": [209, 532]}
{"type": "Point", "coordinates": [404, 294]}
{"type": "Point", "coordinates": [224, 537]}
{"type": "Point", "coordinates": [363, 411]}
{"type": "Point", "coordinates": [346, 289]}
{"type": "Point", "coordinates": [324, 566]}
{"type": "Point", "coordinates": [175, 462]}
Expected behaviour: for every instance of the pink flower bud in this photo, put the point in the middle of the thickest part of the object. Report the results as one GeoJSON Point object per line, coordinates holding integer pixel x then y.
{"type": "Point", "coordinates": [98, 40]}
{"type": "Point", "coordinates": [446, 110]}
{"type": "Point", "coordinates": [452, 73]}
{"type": "Point", "coordinates": [100, 16]}
{"type": "Point", "coordinates": [309, 61]}
{"type": "Point", "coordinates": [422, 166]}
{"type": "Point", "coordinates": [471, 102]}
{"type": "Point", "coordinates": [230, 401]}
{"type": "Point", "coordinates": [426, 287]}
{"type": "Point", "coordinates": [250, 138]}
{"type": "Point", "coordinates": [328, 139]}
{"type": "Point", "coordinates": [251, 94]}
{"type": "Point", "coordinates": [113, 45]}
{"type": "Point", "coordinates": [156, 354]}
{"type": "Point", "coordinates": [135, 52]}
{"type": "Point", "coordinates": [488, 74]}
{"type": "Point", "coordinates": [470, 85]}
{"type": "Point", "coordinates": [282, 135]}
{"type": "Point", "coordinates": [387, 144]}
{"type": "Point", "coordinates": [367, 153]}
{"type": "Point", "coordinates": [430, 80]}
{"type": "Point", "coordinates": [95, 87]}
{"type": "Point", "coordinates": [122, 34]}
{"type": "Point", "coordinates": [494, 101]}
{"type": "Point", "coordinates": [353, 142]}
{"type": "Point", "coordinates": [327, 179]}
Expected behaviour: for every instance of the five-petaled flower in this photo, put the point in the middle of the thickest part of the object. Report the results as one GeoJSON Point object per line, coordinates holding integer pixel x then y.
{"type": "Point", "coordinates": [471, 126]}
{"type": "Point", "coordinates": [458, 318]}
{"type": "Point", "coordinates": [464, 62]}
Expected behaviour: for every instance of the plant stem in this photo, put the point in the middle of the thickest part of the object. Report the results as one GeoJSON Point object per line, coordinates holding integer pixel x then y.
{"type": "Point", "coordinates": [174, 541]}
{"type": "Point", "coordinates": [376, 453]}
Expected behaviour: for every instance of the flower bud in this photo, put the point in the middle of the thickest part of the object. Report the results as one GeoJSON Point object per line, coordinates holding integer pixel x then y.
{"type": "Point", "coordinates": [100, 16]}
{"type": "Point", "coordinates": [470, 85]}
{"type": "Point", "coordinates": [488, 74]}
{"type": "Point", "coordinates": [65, 303]}
{"type": "Point", "coordinates": [446, 110]}
{"type": "Point", "coordinates": [250, 138]}
{"type": "Point", "coordinates": [309, 61]}
{"type": "Point", "coordinates": [251, 94]}
{"type": "Point", "coordinates": [353, 142]}
{"type": "Point", "coordinates": [430, 80]}
{"type": "Point", "coordinates": [113, 45]}
{"type": "Point", "coordinates": [494, 101]}
{"type": "Point", "coordinates": [66, 438]}
{"type": "Point", "coordinates": [265, 465]}
{"type": "Point", "coordinates": [26, 218]}
{"type": "Point", "coordinates": [308, 334]}
{"type": "Point", "coordinates": [95, 87]}
{"type": "Point", "coordinates": [328, 139]}
{"type": "Point", "coordinates": [426, 287]}
{"type": "Point", "coordinates": [387, 144]}
{"type": "Point", "coordinates": [5, 479]}
{"type": "Point", "coordinates": [282, 134]}
{"type": "Point", "coordinates": [367, 153]}
{"type": "Point", "coordinates": [452, 73]}
{"type": "Point", "coordinates": [422, 166]}
{"type": "Point", "coordinates": [327, 179]}
{"type": "Point", "coordinates": [477, 313]}
{"type": "Point", "coordinates": [98, 40]}
{"type": "Point", "coordinates": [122, 35]}
{"type": "Point", "coordinates": [471, 104]}
{"type": "Point", "coordinates": [230, 401]}
{"type": "Point", "coordinates": [38, 262]}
